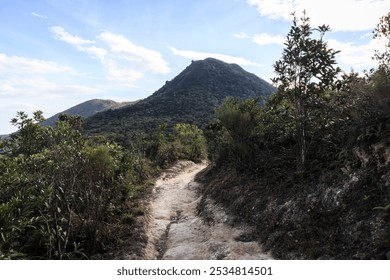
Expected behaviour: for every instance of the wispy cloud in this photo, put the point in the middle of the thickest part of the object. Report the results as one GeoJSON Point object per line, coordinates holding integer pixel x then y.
{"type": "Point", "coordinates": [242, 35]}
{"type": "Point", "coordinates": [87, 46]}
{"type": "Point", "coordinates": [22, 76]}
{"type": "Point", "coordinates": [346, 15]}
{"type": "Point", "coordinates": [262, 39]}
{"type": "Point", "coordinates": [142, 58]}
{"type": "Point", "coordinates": [275, 9]}
{"type": "Point", "coordinates": [20, 106]}
{"type": "Point", "coordinates": [62, 35]}
{"type": "Point", "coordinates": [38, 15]}
{"type": "Point", "coordinates": [125, 75]}
{"type": "Point", "coordinates": [40, 92]}
{"type": "Point", "coordinates": [95, 52]}
{"type": "Point", "coordinates": [43, 89]}
{"type": "Point", "coordinates": [194, 55]}
{"type": "Point", "coordinates": [49, 86]}
{"type": "Point", "coordinates": [19, 64]}
{"type": "Point", "coordinates": [123, 60]}
{"type": "Point", "coordinates": [356, 55]}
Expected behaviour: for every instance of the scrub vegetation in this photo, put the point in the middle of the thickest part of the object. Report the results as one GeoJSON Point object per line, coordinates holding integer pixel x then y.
{"type": "Point", "coordinates": [307, 166]}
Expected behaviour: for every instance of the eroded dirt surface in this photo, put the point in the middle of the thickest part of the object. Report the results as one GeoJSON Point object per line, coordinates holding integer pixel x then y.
{"type": "Point", "coordinates": [175, 231]}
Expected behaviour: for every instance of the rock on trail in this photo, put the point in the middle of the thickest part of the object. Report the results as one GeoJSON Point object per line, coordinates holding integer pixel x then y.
{"type": "Point", "coordinates": [175, 231]}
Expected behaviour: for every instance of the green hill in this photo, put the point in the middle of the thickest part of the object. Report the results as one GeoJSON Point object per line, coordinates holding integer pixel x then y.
{"type": "Point", "coordinates": [87, 109]}
{"type": "Point", "coordinates": [189, 98]}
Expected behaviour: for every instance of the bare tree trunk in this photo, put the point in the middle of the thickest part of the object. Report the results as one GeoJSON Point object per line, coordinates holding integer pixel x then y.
{"type": "Point", "coordinates": [302, 144]}
{"type": "Point", "coordinates": [301, 132]}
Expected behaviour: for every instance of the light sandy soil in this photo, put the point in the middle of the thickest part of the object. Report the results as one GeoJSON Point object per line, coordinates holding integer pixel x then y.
{"type": "Point", "coordinates": [175, 231]}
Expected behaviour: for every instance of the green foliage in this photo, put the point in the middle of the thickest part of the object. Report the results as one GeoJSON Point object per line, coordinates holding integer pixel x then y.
{"type": "Point", "coordinates": [304, 73]}
{"type": "Point", "coordinates": [186, 141]}
{"type": "Point", "coordinates": [215, 134]}
{"type": "Point", "coordinates": [341, 127]}
{"type": "Point", "coordinates": [60, 192]}
{"type": "Point", "coordinates": [63, 195]}
{"type": "Point", "coordinates": [313, 121]}
{"type": "Point", "coordinates": [30, 135]}
{"type": "Point", "coordinates": [189, 142]}
{"type": "Point", "coordinates": [379, 95]}
{"type": "Point", "coordinates": [159, 149]}
{"type": "Point", "coordinates": [239, 119]}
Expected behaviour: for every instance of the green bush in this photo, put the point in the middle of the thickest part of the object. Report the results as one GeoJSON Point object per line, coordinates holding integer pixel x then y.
{"type": "Point", "coordinates": [59, 192]}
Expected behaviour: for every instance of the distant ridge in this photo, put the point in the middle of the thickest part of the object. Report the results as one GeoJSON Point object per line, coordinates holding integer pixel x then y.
{"type": "Point", "coordinates": [87, 109]}
{"type": "Point", "coordinates": [190, 97]}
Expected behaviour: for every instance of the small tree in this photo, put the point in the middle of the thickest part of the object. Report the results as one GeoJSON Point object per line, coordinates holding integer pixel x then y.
{"type": "Point", "coordinates": [382, 31]}
{"type": "Point", "coordinates": [305, 71]}
{"type": "Point", "coordinates": [30, 137]}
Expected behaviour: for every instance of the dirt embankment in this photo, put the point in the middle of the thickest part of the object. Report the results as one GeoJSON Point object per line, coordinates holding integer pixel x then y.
{"type": "Point", "coordinates": [340, 214]}
{"type": "Point", "coordinates": [175, 231]}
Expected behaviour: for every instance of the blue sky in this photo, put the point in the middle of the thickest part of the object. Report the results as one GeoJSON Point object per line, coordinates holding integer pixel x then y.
{"type": "Point", "coordinates": [55, 54]}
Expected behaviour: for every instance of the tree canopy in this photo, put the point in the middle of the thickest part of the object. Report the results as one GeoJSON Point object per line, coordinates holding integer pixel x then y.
{"type": "Point", "coordinates": [306, 70]}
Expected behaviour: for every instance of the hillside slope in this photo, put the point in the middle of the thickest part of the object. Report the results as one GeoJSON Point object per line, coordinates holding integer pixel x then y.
{"type": "Point", "coordinates": [338, 215]}
{"type": "Point", "coordinates": [190, 97]}
{"type": "Point", "coordinates": [87, 109]}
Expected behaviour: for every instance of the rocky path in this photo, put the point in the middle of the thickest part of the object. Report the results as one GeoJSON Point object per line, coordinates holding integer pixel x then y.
{"type": "Point", "coordinates": [175, 231]}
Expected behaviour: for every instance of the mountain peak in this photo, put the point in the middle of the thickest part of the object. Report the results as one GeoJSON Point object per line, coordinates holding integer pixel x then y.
{"type": "Point", "coordinates": [190, 97]}
{"type": "Point", "coordinates": [220, 78]}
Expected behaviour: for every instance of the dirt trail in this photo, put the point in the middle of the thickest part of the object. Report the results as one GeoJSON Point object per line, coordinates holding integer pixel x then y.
{"type": "Point", "coordinates": [176, 232]}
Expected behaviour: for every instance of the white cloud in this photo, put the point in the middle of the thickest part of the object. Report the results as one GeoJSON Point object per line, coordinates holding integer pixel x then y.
{"type": "Point", "coordinates": [26, 77]}
{"type": "Point", "coordinates": [19, 64]}
{"type": "Point", "coordinates": [95, 52]}
{"type": "Point", "coordinates": [38, 15]}
{"type": "Point", "coordinates": [262, 39]}
{"type": "Point", "coordinates": [78, 42]}
{"type": "Point", "coordinates": [266, 39]}
{"type": "Point", "coordinates": [203, 55]}
{"type": "Point", "coordinates": [43, 87]}
{"type": "Point", "coordinates": [354, 55]}
{"type": "Point", "coordinates": [62, 35]}
{"type": "Point", "coordinates": [123, 60]}
{"type": "Point", "coordinates": [6, 88]}
{"type": "Point", "coordinates": [242, 35]}
{"type": "Point", "coordinates": [128, 62]}
{"type": "Point", "coordinates": [143, 58]}
{"type": "Point", "coordinates": [275, 9]}
{"type": "Point", "coordinates": [50, 85]}
{"type": "Point", "coordinates": [22, 106]}
{"type": "Point", "coordinates": [125, 75]}
{"type": "Point", "coordinates": [346, 15]}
